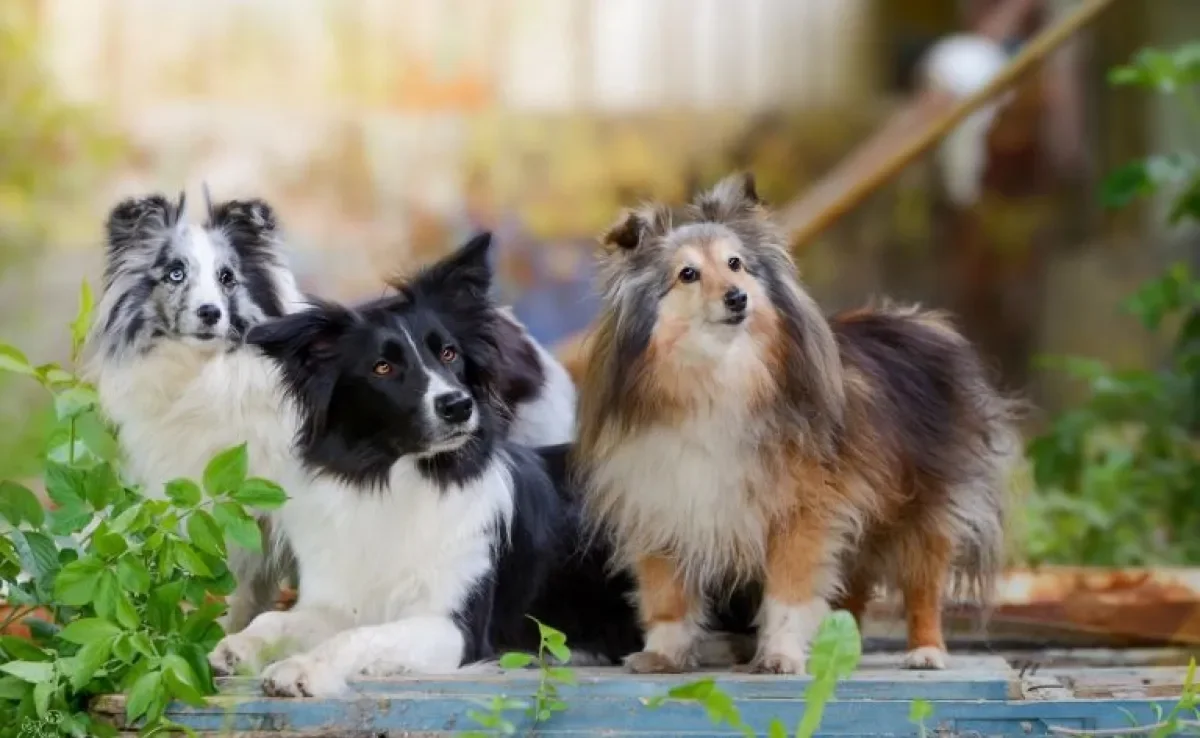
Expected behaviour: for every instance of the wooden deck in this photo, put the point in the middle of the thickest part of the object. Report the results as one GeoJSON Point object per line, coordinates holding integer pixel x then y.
{"type": "Point", "coordinates": [977, 696]}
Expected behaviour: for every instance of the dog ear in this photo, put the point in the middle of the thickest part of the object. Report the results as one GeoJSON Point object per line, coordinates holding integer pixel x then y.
{"type": "Point", "coordinates": [247, 222]}
{"type": "Point", "coordinates": [304, 339]}
{"type": "Point", "coordinates": [626, 234]}
{"type": "Point", "coordinates": [465, 274]}
{"type": "Point", "coordinates": [137, 221]}
{"type": "Point", "coordinates": [736, 194]}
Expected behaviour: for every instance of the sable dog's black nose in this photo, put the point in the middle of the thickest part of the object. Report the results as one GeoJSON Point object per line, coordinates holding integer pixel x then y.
{"type": "Point", "coordinates": [453, 407]}
{"type": "Point", "coordinates": [735, 300]}
{"type": "Point", "coordinates": [210, 314]}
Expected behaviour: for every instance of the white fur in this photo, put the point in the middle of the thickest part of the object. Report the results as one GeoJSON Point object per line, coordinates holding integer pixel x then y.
{"type": "Point", "coordinates": [786, 631]}
{"type": "Point", "coordinates": [549, 419]}
{"type": "Point", "coordinates": [925, 657]}
{"type": "Point", "coordinates": [383, 571]}
{"type": "Point", "coordinates": [676, 641]}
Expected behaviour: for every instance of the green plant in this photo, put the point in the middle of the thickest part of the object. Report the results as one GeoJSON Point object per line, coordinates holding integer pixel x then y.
{"type": "Point", "coordinates": [1119, 474]}
{"type": "Point", "coordinates": [546, 700]}
{"type": "Point", "coordinates": [834, 655]}
{"type": "Point", "coordinates": [918, 712]}
{"type": "Point", "coordinates": [127, 584]}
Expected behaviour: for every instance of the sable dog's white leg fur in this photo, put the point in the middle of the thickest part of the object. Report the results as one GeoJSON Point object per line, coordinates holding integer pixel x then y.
{"type": "Point", "coordinates": [272, 636]}
{"type": "Point", "coordinates": [424, 644]}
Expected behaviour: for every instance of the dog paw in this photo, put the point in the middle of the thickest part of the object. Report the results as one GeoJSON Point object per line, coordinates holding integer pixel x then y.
{"type": "Point", "coordinates": [236, 655]}
{"type": "Point", "coordinates": [302, 676]}
{"type": "Point", "coordinates": [925, 657]}
{"type": "Point", "coordinates": [652, 662]}
{"type": "Point", "coordinates": [775, 663]}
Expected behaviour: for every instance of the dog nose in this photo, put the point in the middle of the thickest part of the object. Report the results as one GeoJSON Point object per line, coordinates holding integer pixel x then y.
{"type": "Point", "coordinates": [453, 407]}
{"type": "Point", "coordinates": [735, 300]}
{"type": "Point", "coordinates": [210, 314]}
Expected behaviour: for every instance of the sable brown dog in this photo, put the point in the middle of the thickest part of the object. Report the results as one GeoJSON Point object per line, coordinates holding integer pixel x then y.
{"type": "Point", "coordinates": [731, 434]}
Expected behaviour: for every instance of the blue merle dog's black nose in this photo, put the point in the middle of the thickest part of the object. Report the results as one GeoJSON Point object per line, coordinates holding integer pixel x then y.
{"type": "Point", "coordinates": [209, 314]}
{"type": "Point", "coordinates": [453, 407]}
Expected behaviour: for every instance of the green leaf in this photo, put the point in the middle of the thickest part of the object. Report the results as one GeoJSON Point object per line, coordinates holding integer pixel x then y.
{"type": "Point", "coordinates": [144, 691]}
{"type": "Point", "coordinates": [34, 672]}
{"type": "Point", "coordinates": [561, 674]}
{"type": "Point", "coordinates": [12, 688]}
{"type": "Point", "coordinates": [239, 526]}
{"type": "Point", "coordinates": [53, 374]}
{"type": "Point", "coordinates": [109, 544]}
{"type": "Point", "coordinates": [920, 711]}
{"type": "Point", "coordinates": [108, 591]}
{"type": "Point", "coordinates": [515, 660]}
{"type": "Point", "coordinates": [101, 486]}
{"type": "Point", "coordinates": [83, 316]}
{"type": "Point", "coordinates": [87, 630]}
{"type": "Point", "coordinates": [38, 554]}
{"type": "Point", "coordinates": [12, 360]}
{"type": "Point", "coordinates": [41, 697]}
{"type": "Point", "coordinates": [182, 681]}
{"type": "Point", "coordinates": [94, 433]}
{"type": "Point", "coordinates": [191, 562]}
{"type": "Point", "coordinates": [260, 493]}
{"type": "Point", "coordinates": [74, 400]}
{"type": "Point", "coordinates": [132, 575]}
{"type": "Point", "coordinates": [126, 613]}
{"type": "Point", "coordinates": [18, 503]}
{"type": "Point", "coordinates": [89, 660]}
{"type": "Point", "coordinates": [68, 519]}
{"type": "Point", "coordinates": [141, 643]}
{"type": "Point", "coordinates": [66, 485]}
{"type": "Point", "coordinates": [777, 729]}
{"type": "Point", "coordinates": [226, 471]}
{"type": "Point", "coordinates": [184, 492]}
{"type": "Point", "coordinates": [837, 647]}
{"type": "Point", "coordinates": [205, 534]}
{"type": "Point", "coordinates": [20, 649]}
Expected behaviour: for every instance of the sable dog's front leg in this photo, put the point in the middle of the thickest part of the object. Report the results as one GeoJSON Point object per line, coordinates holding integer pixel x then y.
{"type": "Point", "coordinates": [801, 575]}
{"type": "Point", "coordinates": [672, 618]}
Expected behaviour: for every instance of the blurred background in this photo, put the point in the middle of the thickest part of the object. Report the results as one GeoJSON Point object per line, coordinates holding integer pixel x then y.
{"type": "Point", "coordinates": [387, 131]}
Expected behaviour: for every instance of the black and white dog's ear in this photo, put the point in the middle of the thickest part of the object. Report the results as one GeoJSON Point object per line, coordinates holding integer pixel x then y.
{"type": "Point", "coordinates": [302, 340]}
{"type": "Point", "coordinates": [464, 275]}
{"type": "Point", "coordinates": [137, 221]}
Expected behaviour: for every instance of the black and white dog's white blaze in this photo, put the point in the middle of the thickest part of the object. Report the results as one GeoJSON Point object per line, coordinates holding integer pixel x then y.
{"type": "Point", "coordinates": [428, 538]}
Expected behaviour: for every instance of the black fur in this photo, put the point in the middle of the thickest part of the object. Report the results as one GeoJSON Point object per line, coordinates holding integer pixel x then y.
{"type": "Point", "coordinates": [357, 424]}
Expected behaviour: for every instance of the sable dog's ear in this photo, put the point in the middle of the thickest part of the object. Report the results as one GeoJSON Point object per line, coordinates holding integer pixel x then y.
{"type": "Point", "coordinates": [626, 234]}
{"type": "Point", "coordinates": [736, 194]}
{"type": "Point", "coordinates": [138, 221]}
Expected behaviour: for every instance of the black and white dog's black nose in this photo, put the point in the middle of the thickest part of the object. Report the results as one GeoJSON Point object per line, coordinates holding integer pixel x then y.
{"type": "Point", "coordinates": [454, 407]}
{"type": "Point", "coordinates": [209, 314]}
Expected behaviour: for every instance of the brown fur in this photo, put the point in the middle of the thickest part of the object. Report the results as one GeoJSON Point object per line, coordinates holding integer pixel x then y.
{"type": "Point", "coordinates": [820, 457]}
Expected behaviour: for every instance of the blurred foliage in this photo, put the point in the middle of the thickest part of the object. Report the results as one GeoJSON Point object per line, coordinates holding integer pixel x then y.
{"type": "Point", "coordinates": [1119, 476]}
{"type": "Point", "coordinates": [51, 153]}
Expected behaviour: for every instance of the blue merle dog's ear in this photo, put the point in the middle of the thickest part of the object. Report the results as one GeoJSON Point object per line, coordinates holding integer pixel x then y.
{"type": "Point", "coordinates": [246, 222]}
{"type": "Point", "coordinates": [302, 340]}
{"type": "Point", "coordinates": [137, 221]}
{"type": "Point", "coordinates": [465, 275]}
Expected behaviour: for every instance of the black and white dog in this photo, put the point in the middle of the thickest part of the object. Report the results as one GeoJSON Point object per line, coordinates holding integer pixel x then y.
{"type": "Point", "coordinates": [423, 536]}
{"type": "Point", "coordinates": [168, 357]}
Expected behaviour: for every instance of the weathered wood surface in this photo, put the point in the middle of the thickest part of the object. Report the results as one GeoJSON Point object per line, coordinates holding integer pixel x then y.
{"type": "Point", "coordinates": [977, 696]}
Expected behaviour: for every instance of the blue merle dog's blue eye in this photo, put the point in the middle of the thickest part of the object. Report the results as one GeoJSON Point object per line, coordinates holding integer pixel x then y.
{"type": "Point", "coordinates": [175, 275]}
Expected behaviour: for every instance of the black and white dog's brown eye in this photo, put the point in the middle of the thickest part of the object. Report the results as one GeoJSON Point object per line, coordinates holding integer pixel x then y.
{"type": "Point", "coordinates": [688, 274]}
{"type": "Point", "coordinates": [448, 354]}
{"type": "Point", "coordinates": [176, 275]}
{"type": "Point", "coordinates": [382, 368]}
{"type": "Point", "coordinates": [735, 263]}
{"type": "Point", "coordinates": [226, 278]}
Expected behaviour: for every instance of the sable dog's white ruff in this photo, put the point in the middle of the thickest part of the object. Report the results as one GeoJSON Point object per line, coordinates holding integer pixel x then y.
{"type": "Point", "coordinates": [373, 601]}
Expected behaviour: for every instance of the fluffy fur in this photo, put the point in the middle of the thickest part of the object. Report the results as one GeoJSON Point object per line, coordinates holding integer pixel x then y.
{"type": "Point", "coordinates": [164, 353]}
{"type": "Point", "coordinates": [730, 433]}
{"type": "Point", "coordinates": [423, 536]}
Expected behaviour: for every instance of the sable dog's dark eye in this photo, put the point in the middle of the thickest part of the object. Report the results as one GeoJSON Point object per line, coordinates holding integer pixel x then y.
{"type": "Point", "coordinates": [735, 263]}
{"type": "Point", "coordinates": [448, 354]}
{"type": "Point", "coordinates": [382, 369]}
{"type": "Point", "coordinates": [688, 274]}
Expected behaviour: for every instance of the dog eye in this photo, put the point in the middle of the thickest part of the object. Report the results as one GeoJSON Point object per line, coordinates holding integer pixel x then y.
{"type": "Point", "coordinates": [735, 263]}
{"type": "Point", "coordinates": [448, 354]}
{"type": "Point", "coordinates": [175, 275]}
{"type": "Point", "coordinates": [688, 274]}
{"type": "Point", "coordinates": [226, 278]}
{"type": "Point", "coordinates": [381, 368]}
